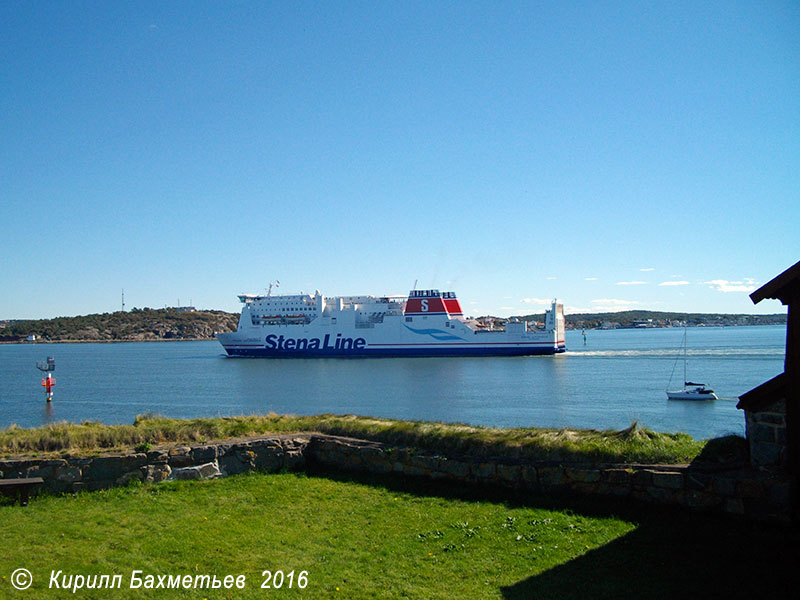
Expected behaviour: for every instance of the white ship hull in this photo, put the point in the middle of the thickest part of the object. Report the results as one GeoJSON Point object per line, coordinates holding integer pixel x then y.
{"type": "Point", "coordinates": [361, 326]}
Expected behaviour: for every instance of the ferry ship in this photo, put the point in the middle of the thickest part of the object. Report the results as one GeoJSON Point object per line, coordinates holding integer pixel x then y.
{"type": "Point", "coordinates": [425, 323]}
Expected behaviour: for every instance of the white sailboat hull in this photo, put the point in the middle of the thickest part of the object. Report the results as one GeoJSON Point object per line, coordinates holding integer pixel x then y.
{"type": "Point", "coordinates": [691, 394]}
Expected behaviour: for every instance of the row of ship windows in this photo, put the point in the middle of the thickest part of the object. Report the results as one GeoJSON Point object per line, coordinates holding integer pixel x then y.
{"type": "Point", "coordinates": [285, 306]}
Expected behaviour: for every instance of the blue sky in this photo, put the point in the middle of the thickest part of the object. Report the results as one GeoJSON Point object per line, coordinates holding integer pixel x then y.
{"type": "Point", "coordinates": [612, 154]}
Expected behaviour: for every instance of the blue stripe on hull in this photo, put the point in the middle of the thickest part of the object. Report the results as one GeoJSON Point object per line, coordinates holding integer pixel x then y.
{"type": "Point", "coordinates": [264, 352]}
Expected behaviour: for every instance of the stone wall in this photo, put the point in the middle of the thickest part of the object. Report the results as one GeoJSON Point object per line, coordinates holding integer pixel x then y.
{"type": "Point", "coordinates": [201, 461]}
{"type": "Point", "coordinates": [756, 493]}
{"type": "Point", "coordinates": [766, 434]}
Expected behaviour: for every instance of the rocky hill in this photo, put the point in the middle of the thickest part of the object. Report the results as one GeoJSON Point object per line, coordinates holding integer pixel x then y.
{"type": "Point", "coordinates": [136, 325]}
{"type": "Point", "coordinates": [649, 318]}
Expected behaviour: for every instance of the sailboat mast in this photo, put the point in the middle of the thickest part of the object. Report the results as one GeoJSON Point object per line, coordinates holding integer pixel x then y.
{"type": "Point", "coordinates": [684, 357]}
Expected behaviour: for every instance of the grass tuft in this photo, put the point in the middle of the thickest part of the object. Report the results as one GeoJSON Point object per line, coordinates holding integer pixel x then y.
{"type": "Point", "coordinates": [633, 444]}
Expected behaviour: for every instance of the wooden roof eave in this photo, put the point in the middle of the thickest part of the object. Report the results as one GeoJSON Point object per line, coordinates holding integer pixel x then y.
{"type": "Point", "coordinates": [783, 287]}
{"type": "Point", "coordinates": [765, 393]}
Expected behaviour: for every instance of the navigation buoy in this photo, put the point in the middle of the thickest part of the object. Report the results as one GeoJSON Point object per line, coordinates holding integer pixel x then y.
{"type": "Point", "coordinates": [48, 382]}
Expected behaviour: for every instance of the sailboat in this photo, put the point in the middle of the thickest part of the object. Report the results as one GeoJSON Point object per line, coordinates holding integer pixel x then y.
{"type": "Point", "coordinates": [691, 390]}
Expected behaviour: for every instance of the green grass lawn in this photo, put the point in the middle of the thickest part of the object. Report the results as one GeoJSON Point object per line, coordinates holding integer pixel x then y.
{"type": "Point", "coordinates": [377, 537]}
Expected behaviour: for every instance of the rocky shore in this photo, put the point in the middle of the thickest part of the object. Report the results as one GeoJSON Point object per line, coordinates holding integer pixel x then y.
{"type": "Point", "coordinates": [137, 325]}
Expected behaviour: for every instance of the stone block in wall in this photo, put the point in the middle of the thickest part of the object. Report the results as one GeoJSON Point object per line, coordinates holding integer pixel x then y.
{"type": "Point", "coordinates": [484, 470]}
{"type": "Point", "coordinates": [643, 478]}
{"type": "Point", "coordinates": [659, 494]}
{"type": "Point", "coordinates": [265, 441]}
{"type": "Point", "coordinates": [111, 468]}
{"type": "Point", "coordinates": [376, 466]}
{"type": "Point", "coordinates": [776, 407]}
{"type": "Point", "coordinates": [619, 490]}
{"type": "Point", "coordinates": [550, 477]}
{"type": "Point", "coordinates": [14, 469]}
{"type": "Point", "coordinates": [156, 473]}
{"type": "Point", "coordinates": [351, 461]}
{"type": "Point", "coordinates": [403, 455]}
{"type": "Point", "coordinates": [369, 451]}
{"type": "Point", "coordinates": [530, 477]}
{"type": "Point", "coordinates": [129, 476]}
{"type": "Point", "coordinates": [414, 471]}
{"type": "Point", "coordinates": [762, 509]}
{"type": "Point", "coordinates": [96, 485]}
{"type": "Point", "coordinates": [582, 475]}
{"type": "Point", "coordinates": [322, 444]}
{"type": "Point", "coordinates": [724, 486]}
{"type": "Point", "coordinates": [509, 473]}
{"type": "Point", "coordinates": [297, 443]}
{"type": "Point", "coordinates": [267, 457]}
{"type": "Point", "coordinates": [180, 456]}
{"type": "Point", "coordinates": [425, 462]}
{"type": "Point", "coordinates": [46, 469]}
{"type": "Point", "coordinates": [698, 500]}
{"type": "Point", "coordinates": [223, 449]}
{"type": "Point", "coordinates": [780, 436]}
{"type": "Point", "coordinates": [583, 487]}
{"type": "Point", "coordinates": [668, 479]}
{"type": "Point", "coordinates": [203, 454]}
{"type": "Point", "coordinates": [780, 493]}
{"type": "Point", "coordinates": [293, 459]}
{"type": "Point", "coordinates": [748, 488]}
{"type": "Point", "coordinates": [234, 463]}
{"type": "Point", "coordinates": [157, 456]}
{"type": "Point", "coordinates": [618, 476]}
{"type": "Point", "coordinates": [455, 469]}
{"type": "Point", "coordinates": [734, 506]}
{"type": "Point", "coordinates": [206, 471]}
{"type": "Point", "coordinates": [760, 432]}
{"type": "Point", "coordinates": [771, 418]}
{"type": "Point", "coordinates": [764, 454]}
{"type": "Point", "coordinates": [698, 481]}
{"type": "Point", "coordinates": [67, 473]}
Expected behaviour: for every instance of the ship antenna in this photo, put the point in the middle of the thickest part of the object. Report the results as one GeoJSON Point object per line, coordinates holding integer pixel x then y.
{"type": "Point", "coordinates": [415, 284]}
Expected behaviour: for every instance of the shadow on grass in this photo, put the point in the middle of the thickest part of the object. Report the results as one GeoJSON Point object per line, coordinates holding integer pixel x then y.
{"type": "Point", "coordinates": [671, 554]}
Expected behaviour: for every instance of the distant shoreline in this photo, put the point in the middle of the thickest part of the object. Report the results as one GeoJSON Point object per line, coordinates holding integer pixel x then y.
{"type": "Point", "coordinates": [46, 342]}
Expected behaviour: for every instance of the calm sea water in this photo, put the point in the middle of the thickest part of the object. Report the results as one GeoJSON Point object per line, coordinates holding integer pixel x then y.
{"type": "Point", "coordinates": [616, 378]}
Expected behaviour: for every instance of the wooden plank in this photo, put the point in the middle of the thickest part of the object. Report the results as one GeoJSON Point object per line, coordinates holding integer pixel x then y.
{"type": "Point", "coordinates": [21, 481]}
{"type": "Point", "coordinates": [19, 489]}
